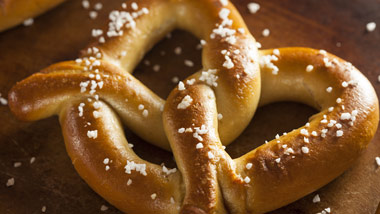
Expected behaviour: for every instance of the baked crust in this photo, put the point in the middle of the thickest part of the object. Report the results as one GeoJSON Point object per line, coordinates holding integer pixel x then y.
{"type": "Point", "coordinates": [14, 12]}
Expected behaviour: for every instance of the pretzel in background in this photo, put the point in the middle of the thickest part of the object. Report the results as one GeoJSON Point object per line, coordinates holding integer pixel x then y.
{"type": "Point", "coordinates": [14, 12]}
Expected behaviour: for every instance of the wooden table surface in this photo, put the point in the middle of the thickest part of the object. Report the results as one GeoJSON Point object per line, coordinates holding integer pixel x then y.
{"type": "Point", "coordinates": [337, 26]}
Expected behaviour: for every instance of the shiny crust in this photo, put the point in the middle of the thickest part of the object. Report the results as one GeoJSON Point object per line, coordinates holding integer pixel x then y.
{"type": "Point", "coordinates": [14, 12]}
{"type": "Point", "coordinates": [204, 183]}
{"type": "Point", "coordinates": [298, 173]}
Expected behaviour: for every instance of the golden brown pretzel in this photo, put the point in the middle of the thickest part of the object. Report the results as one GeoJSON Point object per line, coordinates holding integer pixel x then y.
{"type": "Point", "coordinates": [210, 181]}
{"type": "Point", "coordinates": [57, 90]}
{"type": "Point", "coordinates": [291, 165]}
{"type": "Point", "coordinates": [14, 12]}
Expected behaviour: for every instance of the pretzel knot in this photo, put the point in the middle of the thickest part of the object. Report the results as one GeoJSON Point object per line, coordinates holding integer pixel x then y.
{"type": "Point", "coordinates": [208, 109]}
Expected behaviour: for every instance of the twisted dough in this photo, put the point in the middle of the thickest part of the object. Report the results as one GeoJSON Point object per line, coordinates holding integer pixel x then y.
{"type": "Point", "coordinates": [208, 180]}
{"type": "Point", "coordinates": [293, 165]}
{"type": "Point", "coordinates": [14, 12]}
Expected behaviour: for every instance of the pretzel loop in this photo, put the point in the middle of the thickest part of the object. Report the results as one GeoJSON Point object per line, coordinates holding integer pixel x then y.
{"type": "Point", "coordinates": [290, 166]}
{"type": "Point", "coordinates": [236, 105]}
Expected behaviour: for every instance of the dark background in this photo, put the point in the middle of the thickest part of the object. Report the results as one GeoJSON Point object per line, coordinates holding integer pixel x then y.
{"type": "Point", "coordinates": [58, 35]}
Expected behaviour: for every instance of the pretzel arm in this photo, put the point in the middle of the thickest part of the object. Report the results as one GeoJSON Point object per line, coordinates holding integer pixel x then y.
{"type": "Point", "coordinates": [130, 190]}
{"type": "Point", "coordinates": [197, 166]}
{"type": "Point", "coordinates": [60, 83]}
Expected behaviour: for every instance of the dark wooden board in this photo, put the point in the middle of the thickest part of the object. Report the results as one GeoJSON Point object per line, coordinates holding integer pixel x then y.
{"type": "Point", "coordinates": [51, 180]}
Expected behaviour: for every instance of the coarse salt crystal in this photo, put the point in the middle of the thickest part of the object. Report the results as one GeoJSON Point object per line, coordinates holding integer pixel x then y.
{"type": "Point", "coordinates": [153, 196]}
{"type": "Point", "coordinates": [247, 180]}
{"type": "Point", "coordinates": [93, 14]}
{"type": "Point", "coordinates": [156, 68]}
{"type": "Point", "coordinates": [28, 22]}
{"type": "Point", "coordinates": [253, 7]}
{"type": "Point", "coordinates": [98, 6]}
{"type": "Point", "coordinates": [168, 171]}
{"type": "Point", "coordinates": [209, 77]}
{"type": "Point", "coordinates": [106, 160]}
{"type": "Point", "coordinates": [305, 149]}
{"type": "Point", "coordinates": [345, 116]}
{"type": "Point", "coordinates": [103, 208]}
{"type": "Point", "coordinates": [178, 50]}
{"type": "Point", "coordinates": [309, 68]}
{"type": "Point", "coordinates": [258, 45]}
{"type": "Point", "coordinates": [189, 63]}
{"type": "Point", "coordinates": [181, 86]}
{"type": "Point", "coordinates": [316, 199]}
{"type": "Point", "coordinates": [85, 4]}
{"type": "Point", "coordinates": [190, 81]}
{"type": "Point", "coordinates": [377, 159]}
{"type": "Point", "coordinates": [223, 13]}
{"type": "Point", "coordinates": [228, 63]}
{"type": "Point", "coordinates": [210, 155]}
{"type": "Point", "coordinates": [134, 6]}
{"type": "Point", "coordinates": [199, 146]}
{"type": "Point", "coordinates": [248, 165]}
{"type": "Point", "coordinates": [92, 134]}
{"type": "Point", "coordinates": [145, 113]}
{"type": "Point", "coordinates": [175, 79]}
{"type": "Point", "coordinates": [3, 101]}
{"type": "Point", "coordinates": [10, 182]}
{"type": "Point", "coordinates": [289, 151]}
{"type": "Point", "coordinates": [304, 132]}
{"type": "Point", "coordinates": [220, 116]}
{"type": "Point", "coordinates": [339, 133]}
{"type": "Point", "coordinates": [32, 159]}
{"type": "Point", "coordinates": [131, 165]}
{"type": "Point", "coordinates": [96, 114]}
{"type": "Point", "coordinates": [371, 26]}
{"type": "Point", "coordinates": [141, 107]}
{"type": "Point", "coordinates": [323, 52]}
{"type": "Point", "coordinates": [97, 105]}
{"type": "Point", "coordinates": [306, 140]}
{"type": "Point", "coordinates": [276, 52]}
{"type": "Point", "coordinates": [186, 101]}
{"type": "Point", "coordinates": [17, 164]}
{"type": "Point", "coordinates": [266, 32]}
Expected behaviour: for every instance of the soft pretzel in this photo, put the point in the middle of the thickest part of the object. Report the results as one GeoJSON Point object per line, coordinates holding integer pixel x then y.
{"type": "Point", "coordinates": [14, 12]}
{"type": "Point", "coordinates": [292, 165]}
{"type": "Point", "coordinates": [92, 93]}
